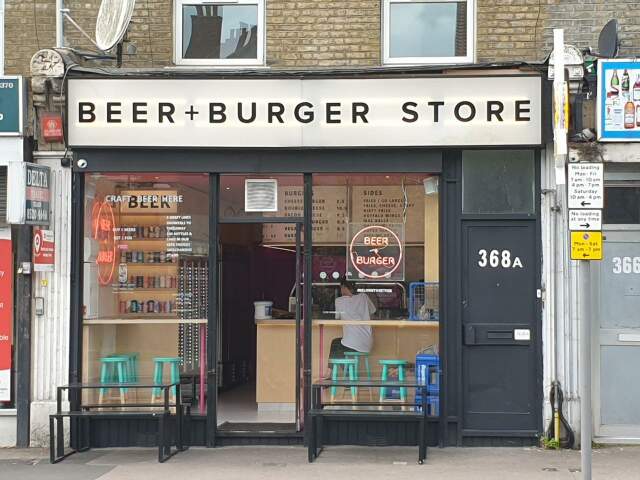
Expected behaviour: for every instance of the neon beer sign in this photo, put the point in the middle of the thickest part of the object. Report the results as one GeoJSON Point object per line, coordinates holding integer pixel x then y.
{"type": "Point", "coordinates": [103, 231]}
{"type": "Point", "coordinates": [376, 253]}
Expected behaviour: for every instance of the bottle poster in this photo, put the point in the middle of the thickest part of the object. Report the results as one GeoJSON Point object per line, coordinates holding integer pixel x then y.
{"type": "Point", "coordinates": [619, 100]}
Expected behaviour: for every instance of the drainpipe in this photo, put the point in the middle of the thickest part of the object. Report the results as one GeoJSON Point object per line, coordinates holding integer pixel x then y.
{"type": "Point", "coordinates": [59, 24]}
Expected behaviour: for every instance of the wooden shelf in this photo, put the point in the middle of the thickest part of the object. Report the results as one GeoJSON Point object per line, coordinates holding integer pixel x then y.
{"type": "Point", "coordinates": [136, 290]}
{"type": "Point", "coordinates": [340, 323]}
{"type": "Point", "coordinates": [141, 321]}
{"type": "Point", "coordinates": [156, 240]}
{"type": "Point", "coordinates": [137, 316]}
{"type": "Point", "coordinates": [154, 264]}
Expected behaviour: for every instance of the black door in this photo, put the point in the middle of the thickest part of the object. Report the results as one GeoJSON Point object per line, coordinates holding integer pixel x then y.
{"type": "Point", "coordinates": [500, 328]}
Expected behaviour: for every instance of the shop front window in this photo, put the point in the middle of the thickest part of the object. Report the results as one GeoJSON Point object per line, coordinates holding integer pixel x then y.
{"type": "Point", "coordinates": [375, 244]}
{"type": "Point", "coordinates": [145, 280]}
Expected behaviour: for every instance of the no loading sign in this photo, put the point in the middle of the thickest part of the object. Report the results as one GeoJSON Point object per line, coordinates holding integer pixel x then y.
{"type": "Point", "coordinates": [376, 252]}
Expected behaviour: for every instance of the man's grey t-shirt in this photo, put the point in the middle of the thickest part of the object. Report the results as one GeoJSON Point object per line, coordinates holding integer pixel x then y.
{"type": "Point", "coordinates": [356, 307]}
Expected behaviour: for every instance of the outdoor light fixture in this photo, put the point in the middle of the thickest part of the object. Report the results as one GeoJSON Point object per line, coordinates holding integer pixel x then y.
{"type": "Point", "coordinates": [574, 66]}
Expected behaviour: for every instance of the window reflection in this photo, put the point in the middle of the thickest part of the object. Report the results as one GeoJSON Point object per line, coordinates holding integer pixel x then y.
{"type": "Point", "coordinates": [219, 31]}
{"type": "Point", "coordinates": [428, 29]}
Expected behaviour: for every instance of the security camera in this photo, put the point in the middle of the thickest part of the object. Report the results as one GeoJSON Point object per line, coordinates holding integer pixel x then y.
{"type": "Point", "coordinates": [82, 163]}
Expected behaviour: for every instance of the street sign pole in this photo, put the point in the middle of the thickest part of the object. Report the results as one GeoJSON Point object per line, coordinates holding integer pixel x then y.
{"type": "Point", "coordinates": [585, 192]}
{"type": "Point", "coordinates": [585, 369]}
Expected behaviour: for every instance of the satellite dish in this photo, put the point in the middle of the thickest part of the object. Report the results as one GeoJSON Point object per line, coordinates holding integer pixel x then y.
{"type": "Point", "coordinates": [608, 40]}
{"type": "Point", "coordinates": [112, 22]}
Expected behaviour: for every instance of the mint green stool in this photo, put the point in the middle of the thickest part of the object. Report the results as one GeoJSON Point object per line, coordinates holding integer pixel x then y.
{"type": "Point", "coordinates": [158, 371]}
{"type": "Point", "coordinates": [400, 364]}
{"type": "Point", "coordinates": [357, 356]}
{"type": "Point", "coordinates": [349, 369]}
{"type": "Point", "coordinates": [114, 369]}
{"type": "Point", "coordinates": [132, 364]}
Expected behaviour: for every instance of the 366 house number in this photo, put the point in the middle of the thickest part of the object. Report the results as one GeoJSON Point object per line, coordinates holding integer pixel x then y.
{"type": "Point", "coordinates": [626, 264]}
{"type": "Point", "coordinates": [498, 259]}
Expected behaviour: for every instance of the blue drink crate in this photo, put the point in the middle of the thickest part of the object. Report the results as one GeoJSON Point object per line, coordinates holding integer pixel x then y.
{"type": "Point", "coordinates": [433, 405]}
{"type": "Point", "coordinates": [428, 371]}
{"type": "Point", "coordinates": [428, 374]}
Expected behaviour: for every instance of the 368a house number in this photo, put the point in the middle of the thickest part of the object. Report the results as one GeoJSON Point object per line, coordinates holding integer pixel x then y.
{"type": "Point", "coordinates": [498, 259]}
{"type": "Point", "coordinates": [626, 264]}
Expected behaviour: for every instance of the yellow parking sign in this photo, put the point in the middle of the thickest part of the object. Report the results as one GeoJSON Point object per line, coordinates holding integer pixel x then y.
{"type": "Point", "coordinates": [586, 245]}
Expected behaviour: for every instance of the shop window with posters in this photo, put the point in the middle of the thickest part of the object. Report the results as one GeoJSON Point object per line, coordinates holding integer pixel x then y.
{"type": "Point", "coordinates": [145, 281]}
{"type": "Point", "coordinates": [6, 324]}
{"type": "Point", "coordinates": [375, 243]}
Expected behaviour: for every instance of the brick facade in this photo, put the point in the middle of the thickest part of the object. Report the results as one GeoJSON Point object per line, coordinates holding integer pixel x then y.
{"type": "Point", "coordinates": [326, 33]}
{"type": "Point", "coordinates": [320, 33]}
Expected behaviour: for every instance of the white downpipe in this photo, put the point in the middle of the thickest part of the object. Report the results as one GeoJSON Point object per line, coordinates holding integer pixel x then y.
{"type": "Point", "coordinates": [59, 24]}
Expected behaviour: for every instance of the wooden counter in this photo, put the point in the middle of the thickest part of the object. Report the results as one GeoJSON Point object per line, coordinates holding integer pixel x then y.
{"type": "Point", "coordinates": [275, 376]}
{"type": "Point", "coordinates": [339, 323]}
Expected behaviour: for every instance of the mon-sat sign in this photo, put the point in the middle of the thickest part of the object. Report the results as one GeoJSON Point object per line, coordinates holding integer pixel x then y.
{"type": "Point", "coordinates": [250, 112]}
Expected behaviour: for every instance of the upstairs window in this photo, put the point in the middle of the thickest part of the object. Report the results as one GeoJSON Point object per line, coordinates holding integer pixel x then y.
{"type": "Point", "coordinates": [227, 32]}
{"type": "Point", "coordinates": [428, 31]}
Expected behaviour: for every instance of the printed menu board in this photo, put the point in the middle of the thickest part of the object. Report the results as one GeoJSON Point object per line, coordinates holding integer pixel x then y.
{"type": "Point", "coordinates": [368, 204]}
{"type": "Point", "coordinates": [385, 204]}
{"type": "Point", "coordinates": [329, 215]}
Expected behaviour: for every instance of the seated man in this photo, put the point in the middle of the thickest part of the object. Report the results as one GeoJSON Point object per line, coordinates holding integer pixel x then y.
{"type": "Point", "coordinates": [353, 306]}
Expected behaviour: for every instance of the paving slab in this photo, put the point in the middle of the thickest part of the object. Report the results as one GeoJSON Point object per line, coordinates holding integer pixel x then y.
{"type": "Point", "coordinates": [335, 463]}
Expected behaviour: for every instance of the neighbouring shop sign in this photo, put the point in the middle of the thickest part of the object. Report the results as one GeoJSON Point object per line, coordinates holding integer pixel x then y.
{"type": "Point", "coordinates": [366, 112]}
{"type": "Point", "coordinates": [28, 194]}
{"type": "Point", "coordinates": [375, 252]}
{"type": "Point", "coordinates": [618, 112]}
{"type": "Point", "coordinates": [6, 318]}
{"type": "Point", "coordinates": [44, 249]}
{"type": "Point", "coordinates": [11, 106]}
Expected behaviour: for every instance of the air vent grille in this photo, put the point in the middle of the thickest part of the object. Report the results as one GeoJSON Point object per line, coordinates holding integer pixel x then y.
{"type": "Point", "coordinates": [261, 195]}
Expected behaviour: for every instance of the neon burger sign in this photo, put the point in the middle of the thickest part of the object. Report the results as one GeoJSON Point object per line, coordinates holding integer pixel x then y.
{"type": "Point", "coordinates": [375, 252]}
{"type": "Point", "coordinates": [103, 225]}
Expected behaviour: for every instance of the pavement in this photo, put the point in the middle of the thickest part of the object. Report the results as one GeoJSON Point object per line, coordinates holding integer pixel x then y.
{"type": "Point", "coordinates": [335, 463]}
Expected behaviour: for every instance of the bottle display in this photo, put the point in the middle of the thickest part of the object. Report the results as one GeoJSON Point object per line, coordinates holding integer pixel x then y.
{"type": "Point", "coordinates": [629, 115]}
{"type": "Point", "coordinates": [148, 283]}
{"type": "Point", "coordinates": [625, 83]}
{"type": "Point", "coordinates": [615, 84]}
{"type": "Point", "coordinates": [621, 109]}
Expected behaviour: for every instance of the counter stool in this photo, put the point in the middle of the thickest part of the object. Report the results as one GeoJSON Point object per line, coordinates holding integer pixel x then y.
{"type": "Point", "coordinates": [158, 371]}
{"type": "Point", "coordinates": [365, 356]}
{"type": "Point", "coordinates": [132, 364]}
{"type": "Point", "coordinates": [357, 356]}
{"type": "Point", "coordinates": [399, 364]}
{"type": "Point", "coordinates": [114, 369]}
{"type": "Point", "coordinates": [349, 369]}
